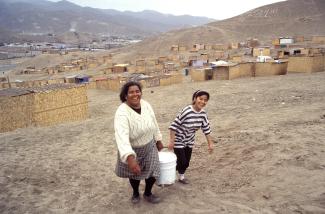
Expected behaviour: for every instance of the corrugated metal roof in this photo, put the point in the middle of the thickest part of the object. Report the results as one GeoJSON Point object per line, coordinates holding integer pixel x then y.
{"type": "Point", "coordinates": [101, 78]}
{"type": "Point", "coordinates": [121, 65]}
{"type": "Point", "coordinates": [53, 87]}
{"type": "Point", "coordinates": [14, 92]}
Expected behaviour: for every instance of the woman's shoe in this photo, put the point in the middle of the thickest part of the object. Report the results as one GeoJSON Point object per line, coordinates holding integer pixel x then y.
{"type": "Point", "coordinates": [152, 198]}
{"type": "Point", "coordinates": [135, 199]}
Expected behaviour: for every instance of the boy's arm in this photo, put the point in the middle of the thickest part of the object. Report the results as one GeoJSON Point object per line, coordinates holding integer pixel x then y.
{"type": "Point", "coordinates": [210, 143]}
{"type": "Point", "coordinates": [171, 139]}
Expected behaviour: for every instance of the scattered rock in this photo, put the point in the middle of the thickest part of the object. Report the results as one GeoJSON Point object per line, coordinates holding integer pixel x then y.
{"type": "Point", "coordinates": [266, 196]}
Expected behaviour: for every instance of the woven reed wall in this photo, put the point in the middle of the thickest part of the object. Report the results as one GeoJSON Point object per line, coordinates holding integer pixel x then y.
{"type": "Point", "coordinates": [170, 66]}
{"type": "Point", "coordinates": [207, 47]}
{"type": "Point", "coordinates": [159, 67]}
{"type": "Point", "coordinates": [236, 59]}
{"type": "Point", "coordinates": [306, 64]}
{"type": "Point", "coordinates": [61, 105]}
{"type": "Point", "coordinates": [270, 68]}
{"type": "Point", "coordinates": [140, 69]}
{"type": "Point", "coordinates": [4, 85]}
{"type": "Point", "coordinates": [221, 73]}
{"type": "Point", "coordinates": [150, 82]}
{"type": "Point", "coordinates": [15, 84]}
{"type": "Point", "coordinates": [143, 83]}
{"type": "Point", "coordinates": [261, 52]}
{"type": "Point", "coordinates": [70, 80]}
{"type": "Point", "coordinates": [299, 39]}
{"type": "Point", "coordinates": [53, 81]}
{"type": "Point", "coordinates": [173, 57]}
{"type": "Point", "coordinates": [201, 74]}
{"type": "Point", "coordinates": [219, 54]}
{"type": "Point", "coordinates": [174, 48]}
{"type": "Point", "coordinates": [318, 63]}
{"type": "Point", "coordinates": [119, 69]}
{"type": "Point", "coordinates": [140, 62]}
{"type": "Point", "coordinates": [92, 65]}
{"type": "Point", "coordinates": [234, 45]}
{"type": "Point", "coordinates": [27, 84]}
{"type": "Point", "coordinates": [108, 70]}
{"type": "Point", "coordinates": [41, 82]}
{"type": "Point", "coordinates": [171, 79]}
{"type": "Point", "coordinates": [182, 48]}
{"type": "Point", "coordinates": [318, 39]}
{"type": "Point", "coordinates": [149, 68]}
{"type": "Point", "coordinates": [43, 106]}
{"type": "Point", "coordinates": [115, 84]}
{"type": "Point", "coordinates": [220, 47]}
{"type": "Point", "coordinates": [204, 57]}
{"type": "Point", "coordinates": [91, 85]}
{"type": "Point", "coordinates": [132, 69]}
{"type": "Point", "coordinates": [102, 84]}
{"type": "Point", "coordinates": [241, 70]}
{"type": "Point", "coordinates": [162, 59]}
{"type": "Point", "coordinates": [151, 62]}
{"type": "Point", "coordinates": [197, 74]}
{"type": "Point", "coordinates": [107, 59]}
{"type": "Point", "coordinates": [304, 52]}
{"type": "Point", "coordinates": [15, 112]}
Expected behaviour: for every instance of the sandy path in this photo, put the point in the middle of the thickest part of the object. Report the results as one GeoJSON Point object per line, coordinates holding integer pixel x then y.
{"type": "Point", "coordinates": [270, 155]}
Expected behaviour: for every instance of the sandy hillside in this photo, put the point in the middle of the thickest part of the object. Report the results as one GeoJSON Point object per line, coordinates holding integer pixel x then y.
{"type": "Point", "coordinates": [288, 18]}
{"type": "Point", "coordinates": [269, 156]}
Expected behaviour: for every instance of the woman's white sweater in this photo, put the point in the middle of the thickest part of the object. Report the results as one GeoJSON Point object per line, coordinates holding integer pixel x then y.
{"type": "Point", "coordinates": [133, 129]}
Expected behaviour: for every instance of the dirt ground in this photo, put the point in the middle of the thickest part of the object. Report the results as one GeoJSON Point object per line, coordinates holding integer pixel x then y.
{"type": "Point", "coordinates": [269, 156]}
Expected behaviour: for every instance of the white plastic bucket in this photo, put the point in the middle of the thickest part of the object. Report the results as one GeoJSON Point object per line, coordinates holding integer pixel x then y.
{"type": "Point", "coordinates": [167, 162]}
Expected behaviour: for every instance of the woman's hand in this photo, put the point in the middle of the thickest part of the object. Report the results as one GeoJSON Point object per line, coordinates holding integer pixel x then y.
{"type": "Point", "coordinates": [171, 140]}
{"type": "Point", "coordinates": [171, 146]}
{"type": "Point", "coordinates": [133, 165]}
{"type": "Point", "coordinates": [159, 145]}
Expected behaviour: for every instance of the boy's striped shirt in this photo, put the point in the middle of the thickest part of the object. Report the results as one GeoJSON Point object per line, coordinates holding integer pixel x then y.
{"type": "Point", "coordinates": [186, 123]}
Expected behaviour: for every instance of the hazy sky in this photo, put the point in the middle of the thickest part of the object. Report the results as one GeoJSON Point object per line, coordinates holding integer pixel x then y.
{"type": "Point", "coordinates": [217, 9]}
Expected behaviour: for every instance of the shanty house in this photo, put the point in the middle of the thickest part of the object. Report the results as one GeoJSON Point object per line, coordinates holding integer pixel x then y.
{"type": "Point", "coordinates": [306, 64]}
{"type": "Point", "coordinates": [42, 106]}
{"type": "Point", "coordinates": [261, 51]}
{"type": "Point", "coordinates": [82, 79]}
{"type": "Point", "coordinates": [201, 74]}
{"type": "Point", "coordinates": [120, 68]}
{"type": "Point", "coordinates": [286, 41]}
{"type": "Point", "coordinates": [318, 39]}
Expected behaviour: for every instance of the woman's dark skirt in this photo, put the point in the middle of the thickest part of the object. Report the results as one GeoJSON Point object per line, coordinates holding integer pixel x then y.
{"type": "Point", "coordinates": [148, 160]}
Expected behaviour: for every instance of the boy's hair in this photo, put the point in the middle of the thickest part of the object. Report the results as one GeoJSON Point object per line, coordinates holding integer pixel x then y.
{"type": "Point", "coordinates": [125, 89]}
{"type": "Point", "coordinates": [199, 93]}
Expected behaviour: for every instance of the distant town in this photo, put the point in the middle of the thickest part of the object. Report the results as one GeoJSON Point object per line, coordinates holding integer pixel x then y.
{"type": "Point", "coordinates": [30, 49]}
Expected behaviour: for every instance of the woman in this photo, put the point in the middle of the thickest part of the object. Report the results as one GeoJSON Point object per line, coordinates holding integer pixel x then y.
{"type": "Point", "coordinates": [183, 128]}
{"type": "Point", "coordinates": [137, 137]}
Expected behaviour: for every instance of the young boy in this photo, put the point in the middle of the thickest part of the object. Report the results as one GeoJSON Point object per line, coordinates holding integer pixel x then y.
{"type": "Point", "coordinates": [183, 128]}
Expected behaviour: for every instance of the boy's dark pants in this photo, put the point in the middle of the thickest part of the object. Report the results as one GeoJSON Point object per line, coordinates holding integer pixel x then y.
{"type": "Point", "coordinates": [183, 158]}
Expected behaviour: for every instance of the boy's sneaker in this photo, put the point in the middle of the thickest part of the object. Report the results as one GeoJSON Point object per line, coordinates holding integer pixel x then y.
{"type": "Point", "coordinates": [183, 181]}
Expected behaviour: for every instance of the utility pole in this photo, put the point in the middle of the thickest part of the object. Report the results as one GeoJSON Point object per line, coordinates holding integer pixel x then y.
{"type": "Point", "coordinates": [8, 80]}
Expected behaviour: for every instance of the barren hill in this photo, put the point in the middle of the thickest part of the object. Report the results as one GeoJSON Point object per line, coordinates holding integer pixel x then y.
{"type": "Point", "coordinates": [288, 18]}
{"type": "Point", "coordinates": [42, 17]}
